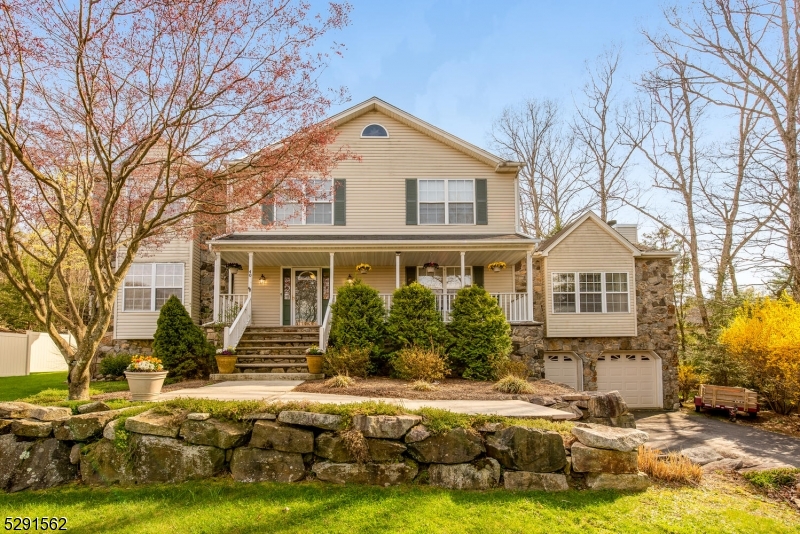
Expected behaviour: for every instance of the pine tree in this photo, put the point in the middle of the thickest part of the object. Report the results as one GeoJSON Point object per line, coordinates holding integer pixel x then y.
{"type": "Point", "coordinates": [180, 344]}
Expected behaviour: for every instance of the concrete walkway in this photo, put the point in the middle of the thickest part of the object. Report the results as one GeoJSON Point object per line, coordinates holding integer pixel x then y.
{"type": "Point", "coordinates": [281, 391]}
{"type": "Point", "coordinates": [674, 431]}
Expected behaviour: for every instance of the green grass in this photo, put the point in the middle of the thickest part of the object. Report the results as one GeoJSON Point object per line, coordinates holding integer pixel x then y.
{"type": "Point", "coordinates": [224, 506]}
{"type": "Point", "coordinates": [54, 384]}
{"type": "Point", "coordinates": [773, 478]}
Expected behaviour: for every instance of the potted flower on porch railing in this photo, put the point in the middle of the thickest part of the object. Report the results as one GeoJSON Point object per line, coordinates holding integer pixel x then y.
{"type": "Point", "coordinates": [431, 267]}
{"type": "Point", "coordinates": [363, 268]}
{"type": "Point", "coordinates": [497, 266]}
{"type": "Point", "coordinates": [145, 376]}
{"type": "Point", "coordinates": [314, 359]}
{"type": "Point", "coordinates": [226, 360]}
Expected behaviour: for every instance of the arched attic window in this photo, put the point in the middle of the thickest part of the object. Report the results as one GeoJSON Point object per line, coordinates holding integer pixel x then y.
{"type": "Point", "coordinates": [374, 130]}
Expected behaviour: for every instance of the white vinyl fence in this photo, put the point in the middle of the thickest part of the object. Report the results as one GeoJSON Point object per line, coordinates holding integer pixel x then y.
{"type": "Point", "coordinates": [31, 352]}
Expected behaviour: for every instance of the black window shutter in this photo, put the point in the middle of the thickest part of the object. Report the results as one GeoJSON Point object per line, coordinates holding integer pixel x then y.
{"type": "Point", "coordinates": [411, 274]}
{"type": "Point", "coordinates": [268, 212]}
{"type": "Point", "coordinates": [477, 275]}
{"type": "Point", "coordinates": [481, 208]}
{"type": "Point", "coordinates": [411, 202]}
{"type": "Point", "coordinates": [287, 296]}
{"type": "Point", "coordinates": [339, 203]}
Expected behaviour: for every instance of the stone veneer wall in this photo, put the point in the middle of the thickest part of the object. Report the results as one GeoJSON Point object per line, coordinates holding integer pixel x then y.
{"type": "Point", "coordinates": [46, 447]}
{"type": "Point", "coordinates": [657, 330]}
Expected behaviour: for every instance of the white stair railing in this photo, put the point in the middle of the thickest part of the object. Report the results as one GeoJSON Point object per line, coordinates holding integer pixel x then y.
{"type": "Point", "coordinates": [230, 305]}
{"type": "Point", "coordinates": [325, 328]}
{"type": "Point", "coordinates": [234, 332]}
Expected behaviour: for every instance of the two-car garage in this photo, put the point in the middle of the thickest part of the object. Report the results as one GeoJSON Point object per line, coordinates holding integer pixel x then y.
{"type": "Point", "coordinates": [636, 375]}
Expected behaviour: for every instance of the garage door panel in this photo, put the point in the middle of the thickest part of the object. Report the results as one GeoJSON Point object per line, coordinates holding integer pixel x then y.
{"type": "Point", "coordinates": [633, 375]}
{"type": "Point", "coordinates": [562, 368]}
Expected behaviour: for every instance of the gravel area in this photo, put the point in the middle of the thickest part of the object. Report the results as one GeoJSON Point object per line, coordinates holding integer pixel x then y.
{"type": "Point", "coordinates": [450, 389]}
{"type": "Point", "coordinates": [126, 395]}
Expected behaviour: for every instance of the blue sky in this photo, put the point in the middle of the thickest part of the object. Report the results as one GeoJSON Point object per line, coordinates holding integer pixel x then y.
{"type": "Point", "coordinates": [457, 64]}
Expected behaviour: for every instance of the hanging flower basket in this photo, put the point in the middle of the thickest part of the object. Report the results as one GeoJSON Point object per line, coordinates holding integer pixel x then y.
{"type": "Point", "coordinates": [363, 268]}
{"type": "Point", "coordinates": [431, 267]}
{"type": "Point", "coordinates": [497, 266]}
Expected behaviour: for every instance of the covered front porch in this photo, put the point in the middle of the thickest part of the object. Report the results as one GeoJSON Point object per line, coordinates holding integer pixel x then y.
{"type": "Point", "coordinates": [280, 280]}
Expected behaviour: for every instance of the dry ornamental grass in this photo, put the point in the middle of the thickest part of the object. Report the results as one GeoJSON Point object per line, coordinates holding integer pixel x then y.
{"type": "Point", "coordinates": [671, 467]}
{"type": "Point", "coordinates": [512, 384]}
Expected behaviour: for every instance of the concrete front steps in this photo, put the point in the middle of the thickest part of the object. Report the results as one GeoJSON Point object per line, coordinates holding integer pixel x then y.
{"type": "Point", "coordinates": [274, 353]}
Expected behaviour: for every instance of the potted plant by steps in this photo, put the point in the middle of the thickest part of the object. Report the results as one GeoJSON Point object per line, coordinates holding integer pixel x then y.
{"type": "Point", "coordinates": [226, 360]}
{"type": "Point", "coordinates": [497, 266]}
{"type": "Point", "coordinates": [314, 359]}
{"type": "Point", "coordinates": [145, 376]}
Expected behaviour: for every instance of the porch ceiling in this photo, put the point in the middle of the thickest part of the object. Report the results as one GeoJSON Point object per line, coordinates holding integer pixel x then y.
{"type": "Point", "coordinates": [350, 259]}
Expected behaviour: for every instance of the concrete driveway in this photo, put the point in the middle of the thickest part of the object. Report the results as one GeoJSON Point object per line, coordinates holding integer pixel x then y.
{"type": "Point", "coordinates": [674, 431]}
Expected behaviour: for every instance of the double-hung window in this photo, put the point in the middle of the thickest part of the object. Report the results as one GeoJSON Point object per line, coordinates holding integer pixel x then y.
{"type": "Point", "coordinates": [148, 286]}
{"type": "Point", "coordinates": [318, 210]}
{"type": "Point", "coordinates": [446, 201]}
{"type": "Point", "coordinates": [435, 280]}
{"type": "Point", "coordinates": [590, 293]}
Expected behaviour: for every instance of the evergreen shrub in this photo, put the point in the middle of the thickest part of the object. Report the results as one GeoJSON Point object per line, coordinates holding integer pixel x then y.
{"type": "Point", "coordinates": [358, 320]}
{"type": "Point", "coordinates": [481, 335]}
{"type": "Point", "coordinates": [180, 344]}
{"type": "Point", "coordinates": [414, 320]}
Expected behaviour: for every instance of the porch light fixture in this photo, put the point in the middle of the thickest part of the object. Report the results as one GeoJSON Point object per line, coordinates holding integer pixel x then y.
{"type": "Point", "coordinates": [234, 268]}
{"type": "Point", "coordinates": [350, 279]}
{"type": "Point", "coordinates": [262, 281]}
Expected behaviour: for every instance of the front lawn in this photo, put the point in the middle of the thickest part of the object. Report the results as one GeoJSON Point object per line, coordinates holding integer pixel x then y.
{"type": "Point", "coordinates": [221, 505]}
{"type": "Point", "coordinates": [19, 387]}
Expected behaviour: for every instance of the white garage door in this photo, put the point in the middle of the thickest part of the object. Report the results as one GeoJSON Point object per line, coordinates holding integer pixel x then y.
{"type": "Point", "coordinates": [562, 368]}
{"type": "Point", "coordinates": [633, 375]}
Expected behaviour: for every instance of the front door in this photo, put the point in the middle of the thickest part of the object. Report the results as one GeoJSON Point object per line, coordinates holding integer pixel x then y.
{"type": "Point", "coordinates": [305, 306]}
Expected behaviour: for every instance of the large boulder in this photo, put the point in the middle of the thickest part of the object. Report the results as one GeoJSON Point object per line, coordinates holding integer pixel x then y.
{"type": "Point", "coordinates": [481, 475]}
{"type": "Point", "coordinates": [156, 424]}
{"type": "Point", "coordinates": [610, 404]}
{"type": "Point", "coordinates": [5, 426]}
{"type": "Point", "coordinates": [12, 454]}
{"type": "Point", "coordinates": [590, 460]}
{"type": "Point", "coordinates": [161, 459]}
{"type": "Point", "coordinates": [50, 413]}
{"type": "Point", "coordinates": [625, 482]}
{"type": "Point", "coordinates": [45, 465]}
{"type": "Point", "coordinates": [528, 481]}
{"type": "Point", "coordinates": [251, 464]}
{"type": "Point", "coordinates": [104, 464]}
{"type": "Point", "coordinates": [84, 427]}
{"type": "Point", "coordinates": [385, 426]}
{"type": "Point", "coordinates": [418, 433]}
{"type": "Point", "coordinates": [455, 446]}
{"type": "Point", "coordinates": [269, 435]}
{"type": "Point", "coordinates": [318, 420]}
{"type": "Point", "coordinates": [221, 434]}
{"type": "Point", "coordinates": [16, 410]}
{"type": "Point", "coordinates": [623, 421]}
{"type": "Point", "coordinates": [702, 455]}
{"type": "Point", "coordinates": [606, 437]}
{"type": "Point", "coordinates": [30, 428]}
{"type": "Point", "coordinates": [527, 449]}
{"type": "Point", "coordinates": [332, 447]}
{"type": "Point", "coordinates": [97, 406]}
{"type": "Point", "coordinates": [370, 473]}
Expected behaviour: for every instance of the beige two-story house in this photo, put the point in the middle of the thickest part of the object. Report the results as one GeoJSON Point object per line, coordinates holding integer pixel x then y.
{"type": "Point", "coordinates": [419, 205]}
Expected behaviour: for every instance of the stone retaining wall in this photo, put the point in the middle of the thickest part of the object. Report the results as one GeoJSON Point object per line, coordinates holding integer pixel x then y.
{"type": "Point", "coordinates": [47, 447]}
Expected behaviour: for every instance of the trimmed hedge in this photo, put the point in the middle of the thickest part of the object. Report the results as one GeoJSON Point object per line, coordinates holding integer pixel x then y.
{"type": "Point", "coordinates": [414, 320]}
{"type": "Point", "coordinates": [358, 319]}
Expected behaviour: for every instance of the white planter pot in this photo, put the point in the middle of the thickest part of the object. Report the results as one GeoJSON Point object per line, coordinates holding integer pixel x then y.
{"type": "Point", "coordinates": [145, 386]}
{"type": "Point", "coordinates": [497, 269]}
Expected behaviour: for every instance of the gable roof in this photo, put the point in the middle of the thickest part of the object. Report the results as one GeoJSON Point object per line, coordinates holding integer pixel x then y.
{"type": "Point", "coordinates": [376, 104]}
{"type": "Point", "coordinates": [551, 242]}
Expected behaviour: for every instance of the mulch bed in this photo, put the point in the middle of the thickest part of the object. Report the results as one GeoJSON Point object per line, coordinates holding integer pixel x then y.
{"type": "Point", "coordinates": [126, 395]}
{"type": "Point", "coordinates": [450, 389]}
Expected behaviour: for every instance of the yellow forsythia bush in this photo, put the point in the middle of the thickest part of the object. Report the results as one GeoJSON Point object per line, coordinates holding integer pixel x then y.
{"type": "Point", "coordinates": [765, 338]}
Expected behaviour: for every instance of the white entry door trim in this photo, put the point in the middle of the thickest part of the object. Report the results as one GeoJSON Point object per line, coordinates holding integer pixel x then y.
{"type": "Point", "coordinates": [630, 371]}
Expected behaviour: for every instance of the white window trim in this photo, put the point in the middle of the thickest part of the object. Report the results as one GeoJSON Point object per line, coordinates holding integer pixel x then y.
{"type": "Point", "coordinates": [385, 129]}
{"type": "Point", "coordinates": [602, 274]}
{"type": "Point", "coordinates": [447, 202]}
{"type": "Point", "coordinates": [467, 268]}
{"type": "Point", "coordinates": [303, 209]}
{"type": "Point", "coordinates": [153, 287]}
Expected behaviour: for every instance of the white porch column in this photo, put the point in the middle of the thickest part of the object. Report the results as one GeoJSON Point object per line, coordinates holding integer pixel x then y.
{"type": "Point", "coordinates": [217, 273]}
{"type": "Point", "coordinates": [330, 294]}
{"type": "Point", "coordinates": [462, 269]}
{"type": "Point", "coordinates": [249, 273]}
{"type": "Point", "coordinates": [397, 270]}
{"type": "Point", "coordinates": [529, 284]}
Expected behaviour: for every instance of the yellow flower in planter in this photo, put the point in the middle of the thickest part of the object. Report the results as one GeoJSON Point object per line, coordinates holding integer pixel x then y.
{"type": "Point", "coordinates": [363, 268]}
{"type": "Point", "coordinates": [497, 266]}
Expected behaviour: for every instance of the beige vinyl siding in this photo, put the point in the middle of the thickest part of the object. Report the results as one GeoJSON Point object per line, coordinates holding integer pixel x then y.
{"type": "Point", "coordinates": [502, 282]}
{"type": "Point", "coordinates": [142, 325]}
{"type": "Point", "coordinates": [590, 249]}
{"type": "Point", "coordinates": [266, 304]}
{"type": "Point", "coordinates": [376, 184]}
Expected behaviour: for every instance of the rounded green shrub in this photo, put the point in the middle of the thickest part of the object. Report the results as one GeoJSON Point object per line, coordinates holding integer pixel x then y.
{"type": "Point", "coordinates": [414, 320]}
{"type": "Point", "coordinates": [358, 319]}
{"type": "Point", "coordinates": [114, 365]}
{"type": "Point", "coordinates": [481, 335]}
{"type": "Point", "coordinates": [180, 344]}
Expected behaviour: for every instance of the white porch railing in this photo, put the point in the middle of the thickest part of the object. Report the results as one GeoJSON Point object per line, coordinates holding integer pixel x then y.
{"type": "Point", "coordinates": [230, 306]}
{"type": "Point", "coordinates": [325, 327]}
{"type": "Point", "coordinates": [514, 305]}
{"type": "Point", "coordinates": [233, 333]}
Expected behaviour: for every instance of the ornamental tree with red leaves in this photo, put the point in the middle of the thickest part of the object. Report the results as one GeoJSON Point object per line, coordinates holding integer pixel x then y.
{"type": "Point", "coordinates": [127, 123]}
